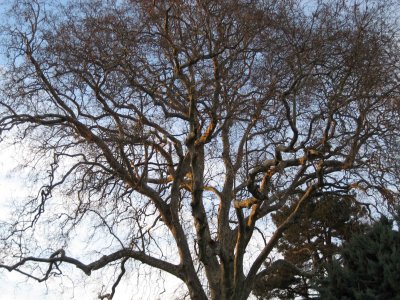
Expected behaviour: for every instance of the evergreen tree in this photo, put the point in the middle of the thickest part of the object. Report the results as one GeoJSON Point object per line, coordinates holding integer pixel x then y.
{"type": "Point", "coordinates": [369, 267]}
{"type": "Point", "coordinates": [310, 244]}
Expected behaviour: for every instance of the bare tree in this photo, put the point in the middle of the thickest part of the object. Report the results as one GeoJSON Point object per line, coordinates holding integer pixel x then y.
{"type": "Point", "coordinates": [175, 128]}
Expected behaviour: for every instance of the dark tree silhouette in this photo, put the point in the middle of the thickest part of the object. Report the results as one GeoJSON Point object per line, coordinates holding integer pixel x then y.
{"type": "Point", "coordinates": [174, 129]}
{"type": "Point", "coordinates": [369, 267]}
{"type": "Point", "coordinates": [321, 227]}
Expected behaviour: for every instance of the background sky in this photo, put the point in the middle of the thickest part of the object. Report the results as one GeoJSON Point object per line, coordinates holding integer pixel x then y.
{"type": "Point", "coordinates": [142, 284]}
{"type": "Point", "coordinates": [75, 285]}
{"type": "Point", "coordinates": [14, 285]}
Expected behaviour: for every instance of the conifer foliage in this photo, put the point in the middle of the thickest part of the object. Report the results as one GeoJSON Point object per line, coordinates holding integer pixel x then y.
{"type": "Point", "coordinates": [369, 267]}
{"type": "Point", "coordinates": [316, 236]}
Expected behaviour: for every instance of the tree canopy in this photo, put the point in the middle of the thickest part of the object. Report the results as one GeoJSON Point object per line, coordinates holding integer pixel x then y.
{"type": "Point", "coordinates": [322, 226]}
{"type": "Point", "coordinates": [167, 133]}
{"type": "Point", "coordinates": [369, 266]}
